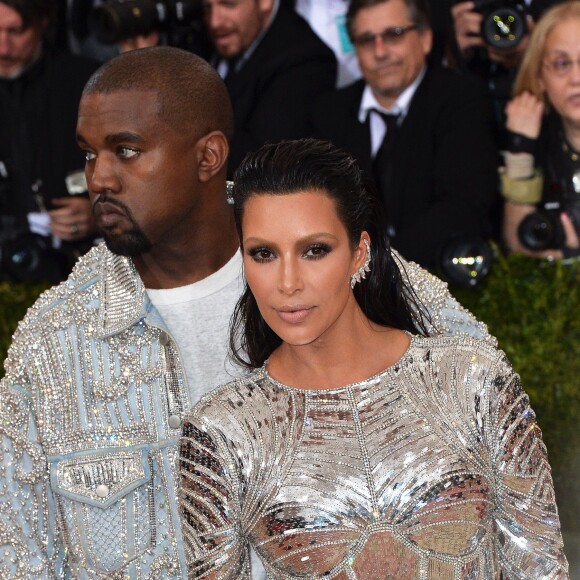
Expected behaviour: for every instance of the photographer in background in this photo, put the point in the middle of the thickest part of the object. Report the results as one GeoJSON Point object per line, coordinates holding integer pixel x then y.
{"type": "Point", "coordinates": [541, 178]}
{"type": "Point", "coordinates": [273, 65]}
{"type": "Point", "coordinates": [423, 132]}
{"type": "Point", "coordinates": [132, 24]}
{"type": "Point", "coordinates": [45, 215]}
{"type": "Point", "coordinates": [493, 47]}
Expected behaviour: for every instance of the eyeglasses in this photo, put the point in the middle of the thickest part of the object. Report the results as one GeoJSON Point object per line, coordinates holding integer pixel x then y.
{"type": "Point", "coordinates": [391, 35]}
{"type": "Point", "coordinates": [561, 66]}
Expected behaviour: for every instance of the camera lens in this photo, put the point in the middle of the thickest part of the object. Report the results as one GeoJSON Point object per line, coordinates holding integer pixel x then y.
{"type": "Point", "coordinates": [540, 231]}
{"type": "Point", "coordinates": [465, 260]}
{"type": "Point", "coordinates": [503, 27]}
{"type": "Point", "coordinates": [116, 20]}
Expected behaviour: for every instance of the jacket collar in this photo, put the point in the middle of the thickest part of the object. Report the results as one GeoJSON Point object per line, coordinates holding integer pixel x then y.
{"type": "Point", "coordinates": [121, 294]}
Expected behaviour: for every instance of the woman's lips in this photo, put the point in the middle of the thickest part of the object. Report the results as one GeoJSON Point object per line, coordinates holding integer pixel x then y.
{"type": "Point", "coordinates": [294, 314]}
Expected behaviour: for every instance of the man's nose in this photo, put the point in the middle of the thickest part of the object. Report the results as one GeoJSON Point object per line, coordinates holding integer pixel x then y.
{"type": "Point", "coordinates": [214, 18]}
{"type": "Point", "coordinates": [380, 47]}
{"type": "Point", "coordinates": [102, 176]}
{"type": "Point", "coordinates": [5, 43]}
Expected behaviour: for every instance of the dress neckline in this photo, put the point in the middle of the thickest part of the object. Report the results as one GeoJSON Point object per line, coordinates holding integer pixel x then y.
{"type": "Point", "coordinates": [377, 376]}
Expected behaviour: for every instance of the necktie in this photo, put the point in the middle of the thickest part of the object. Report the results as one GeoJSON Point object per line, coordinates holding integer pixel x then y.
{"type": "Point", "coordinates": [383, 161]}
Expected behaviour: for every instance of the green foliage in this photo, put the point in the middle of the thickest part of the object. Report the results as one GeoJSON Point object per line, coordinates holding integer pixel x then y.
{"type": "Point", "coordinates": [14, 301]}
{"type": "Point", "coordinates": [532, 307]}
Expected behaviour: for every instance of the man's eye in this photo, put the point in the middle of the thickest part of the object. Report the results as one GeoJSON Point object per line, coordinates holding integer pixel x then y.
{"type": "Point", "coordinates": [261, 255]}
{"type": "Point", "coordinates": [317, 251]}
{"type": "Point", "coordinates": [127, 152]}
{"type": "Point", "coordinates": [89, 155]}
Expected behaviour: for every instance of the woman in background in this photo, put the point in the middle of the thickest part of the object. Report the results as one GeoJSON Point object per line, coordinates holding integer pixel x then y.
{"type": "Point", "coordinates": [358, 446]}
{"type": "Point", "coordinates": [542, 163]}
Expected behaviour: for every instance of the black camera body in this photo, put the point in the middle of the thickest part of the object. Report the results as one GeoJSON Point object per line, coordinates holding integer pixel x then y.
{"type": "Point", "coordinates": [28, 257]}
{"type": "Point", "coordinates": [504, 22]}
{"type": "Point", "coordinates": [118, 20]}
{"type": "Point", "coordinates": [542, 229]}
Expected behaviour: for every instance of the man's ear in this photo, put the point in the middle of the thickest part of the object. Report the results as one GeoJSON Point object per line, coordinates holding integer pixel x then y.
{"type": "Point", "coordinates": [212, 154]}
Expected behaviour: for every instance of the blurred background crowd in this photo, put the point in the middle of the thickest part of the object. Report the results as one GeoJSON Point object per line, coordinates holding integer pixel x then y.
{"type": "Point", "coordinates": [465, 113]}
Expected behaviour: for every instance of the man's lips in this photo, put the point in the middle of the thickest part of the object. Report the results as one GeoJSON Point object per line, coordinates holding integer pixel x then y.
{"type": "Point", "coordinates": [294, 314]}
{"type": "Point", "coordinates": [222, 37]}
{"type": "Point", "coordinates": [107, 214]}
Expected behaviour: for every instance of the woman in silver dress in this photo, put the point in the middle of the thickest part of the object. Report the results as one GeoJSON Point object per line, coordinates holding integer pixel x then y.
{"type": "Point", "coordinates": [357, 446]}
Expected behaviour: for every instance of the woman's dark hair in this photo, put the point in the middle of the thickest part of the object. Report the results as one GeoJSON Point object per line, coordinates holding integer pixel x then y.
{"type": "Point", "coordinates": [304, 165]}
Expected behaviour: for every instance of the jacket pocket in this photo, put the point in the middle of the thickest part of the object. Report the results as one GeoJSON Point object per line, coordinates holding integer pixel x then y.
{"type": "Point", "coordinates": [106, 507]}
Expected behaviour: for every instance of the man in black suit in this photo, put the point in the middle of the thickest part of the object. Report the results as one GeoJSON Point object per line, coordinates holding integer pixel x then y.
{"type": "Point", "coordinates": [433, 157]}
{"type": "Point", "coordinates": [273, 65]}
{"type": "Point", "coordinates": [44, 209]}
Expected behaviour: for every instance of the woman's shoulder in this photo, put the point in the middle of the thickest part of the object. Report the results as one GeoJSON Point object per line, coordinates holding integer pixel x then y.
{"type": "Point", "coordinates": [459, 344]}
{"type": "Point", "coordinates": [245, 397]}
{"type": "Point", "coordinates": [458, 363]}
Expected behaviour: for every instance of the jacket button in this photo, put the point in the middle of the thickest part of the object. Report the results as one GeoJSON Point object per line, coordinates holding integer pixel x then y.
{"type": "Point", "coordinates": [102, 491]}
{"type": "Point", "coordinates": [175, 421]}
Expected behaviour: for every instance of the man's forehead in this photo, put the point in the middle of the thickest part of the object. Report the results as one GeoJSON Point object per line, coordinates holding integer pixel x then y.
{"type": "Point", "coordinates": [393, 12]}
{"type": "Point", "coordinates": [123, 99]}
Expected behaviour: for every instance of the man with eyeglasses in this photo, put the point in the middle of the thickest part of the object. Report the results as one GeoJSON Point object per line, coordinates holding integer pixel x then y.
{"type": "Point", "coordinates": [424, 132]}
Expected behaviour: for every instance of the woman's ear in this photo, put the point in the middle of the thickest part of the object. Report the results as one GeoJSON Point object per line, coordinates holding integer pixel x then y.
{"type": "Point", "coordinates": [362, 250]}
{"type": "Point", "coordinates": [212, 155]}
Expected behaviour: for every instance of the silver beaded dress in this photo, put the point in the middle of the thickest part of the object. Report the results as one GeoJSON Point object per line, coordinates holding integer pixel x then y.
{"type": "Point", "coordinates": [434, 468]}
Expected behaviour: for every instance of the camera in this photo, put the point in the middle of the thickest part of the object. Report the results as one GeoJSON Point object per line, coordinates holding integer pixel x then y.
{"type": "Point", "coordinates": [542, 230]}
{"type": "Point", "coordinates": [117, 20]}
{"type": "Point", "coordinates": [465, 260]}
{"type": "Point", "coordinates": [504, 22]}
{"type": "Point", "coordinates": [28, 257]}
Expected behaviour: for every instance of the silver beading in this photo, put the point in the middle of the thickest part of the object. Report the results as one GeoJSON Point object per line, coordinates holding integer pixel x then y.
{"type": "Point", "coordinates": [361, 273]}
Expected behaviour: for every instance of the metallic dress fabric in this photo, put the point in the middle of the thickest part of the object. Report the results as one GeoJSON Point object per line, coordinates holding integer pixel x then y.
{"type": "Point", "coordinates": [433, 469]}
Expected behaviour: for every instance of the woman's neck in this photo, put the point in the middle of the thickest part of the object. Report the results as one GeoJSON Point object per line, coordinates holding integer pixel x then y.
{"type": "Point", "coordinates": [351, 354]}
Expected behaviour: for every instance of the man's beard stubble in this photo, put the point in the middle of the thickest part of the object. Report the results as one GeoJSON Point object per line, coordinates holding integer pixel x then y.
{"type": "Point", "coordinates": [130, 244]}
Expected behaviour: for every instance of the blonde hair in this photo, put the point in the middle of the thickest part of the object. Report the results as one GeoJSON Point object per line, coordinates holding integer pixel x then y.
{"type": "Point", "coordinates": [528, 77]}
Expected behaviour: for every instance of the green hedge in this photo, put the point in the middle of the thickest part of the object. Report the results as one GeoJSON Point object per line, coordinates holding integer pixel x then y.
{"type": "Point", "coordinates": [533, 307]}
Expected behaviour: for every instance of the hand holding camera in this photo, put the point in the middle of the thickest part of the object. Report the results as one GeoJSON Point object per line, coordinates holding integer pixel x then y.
{"type": "Point", "coordinates": [499, 26]}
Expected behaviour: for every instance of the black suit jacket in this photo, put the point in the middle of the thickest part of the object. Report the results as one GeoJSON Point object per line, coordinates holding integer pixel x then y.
{"type": "Point", "coordinates": [273, 90]}
{"type": "Point", "coordinates": [445, 162]}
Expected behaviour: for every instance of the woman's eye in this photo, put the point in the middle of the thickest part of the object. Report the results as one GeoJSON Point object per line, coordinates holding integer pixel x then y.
{"type": "Point", "coordinates": [317, 251]}
{"type": "Point", "coordinates": [261, 254]}
{"type": "Point", "coordinates": [127, 152]}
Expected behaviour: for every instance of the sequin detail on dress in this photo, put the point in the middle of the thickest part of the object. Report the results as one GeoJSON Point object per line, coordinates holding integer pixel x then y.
{"type": "Point", "coordinates": [433, 469]}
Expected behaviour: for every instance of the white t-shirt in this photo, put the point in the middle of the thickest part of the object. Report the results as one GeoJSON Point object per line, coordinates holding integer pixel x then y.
{"type": "Point", "coordinates": [198, 318]}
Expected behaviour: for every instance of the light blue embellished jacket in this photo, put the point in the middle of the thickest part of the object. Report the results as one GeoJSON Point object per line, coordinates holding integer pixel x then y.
{"type": "Point", "coordinates": [90, 416]}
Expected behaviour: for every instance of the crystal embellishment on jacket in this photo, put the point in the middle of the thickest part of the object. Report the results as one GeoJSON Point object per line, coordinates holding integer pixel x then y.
{"type": "Point", "coordinates": [434, 468]}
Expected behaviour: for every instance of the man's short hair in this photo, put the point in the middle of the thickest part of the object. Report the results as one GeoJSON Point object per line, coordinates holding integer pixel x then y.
{"type": "Point", "coordinates": [33, 12]}
{"type": "Point", "coordinates": [418, 11]}
{"type": "Point", "coordinates": [191, 94]}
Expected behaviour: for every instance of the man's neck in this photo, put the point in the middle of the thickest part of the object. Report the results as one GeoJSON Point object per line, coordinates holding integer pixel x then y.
{"type": "Point", "coordinates": [192, 259]}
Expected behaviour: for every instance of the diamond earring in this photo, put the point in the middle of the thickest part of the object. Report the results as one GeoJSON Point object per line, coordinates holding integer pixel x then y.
{"type": "Point", "coordinates": [361, 273]}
